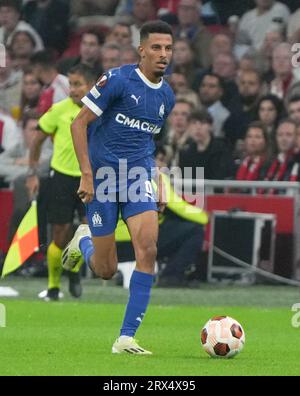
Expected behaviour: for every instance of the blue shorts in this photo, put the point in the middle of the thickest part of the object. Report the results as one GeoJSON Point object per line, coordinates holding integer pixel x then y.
{"type": "Point", "coordinates": [128, 196]}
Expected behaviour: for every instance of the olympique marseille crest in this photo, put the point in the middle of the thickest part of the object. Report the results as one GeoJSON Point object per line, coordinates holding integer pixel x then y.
{"type": "Point", "coordinates": [97, 220]}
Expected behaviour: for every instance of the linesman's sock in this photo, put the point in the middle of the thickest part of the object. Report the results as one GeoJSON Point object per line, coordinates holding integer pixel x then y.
{"type": "Point", "coordinates": [54, 265]}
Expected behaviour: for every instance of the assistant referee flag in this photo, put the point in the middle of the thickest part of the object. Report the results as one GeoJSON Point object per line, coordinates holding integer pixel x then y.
{"type": "Point", "coordinates": [25, 242]}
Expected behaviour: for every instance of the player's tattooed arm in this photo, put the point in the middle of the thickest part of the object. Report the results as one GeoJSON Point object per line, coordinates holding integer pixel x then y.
{"type": "Point", "coordinates": [79, 136]}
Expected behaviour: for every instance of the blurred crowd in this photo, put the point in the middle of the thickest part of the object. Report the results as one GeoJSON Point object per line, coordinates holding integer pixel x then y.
{"type": "Point", "coordinates": [235, 73]}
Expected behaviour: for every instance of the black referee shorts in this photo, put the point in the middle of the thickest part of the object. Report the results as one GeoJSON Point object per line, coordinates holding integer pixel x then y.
{"type": "Point", "coordinates": [63, 200]}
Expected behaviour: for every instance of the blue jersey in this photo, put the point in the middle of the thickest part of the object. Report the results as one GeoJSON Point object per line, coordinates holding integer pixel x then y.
{"type": "Point", "coordinates": [130, 110]}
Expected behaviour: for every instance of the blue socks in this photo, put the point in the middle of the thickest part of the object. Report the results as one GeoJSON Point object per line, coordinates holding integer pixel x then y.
{"type": "Point", "coordinates": [140, 289]}
{"type": "Point", "coordinates": [87, 248]}
{"type": "Point", "coordinates": [139, 292]}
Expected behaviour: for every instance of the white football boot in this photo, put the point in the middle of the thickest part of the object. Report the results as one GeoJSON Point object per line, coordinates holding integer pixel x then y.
{"type": "Point", "coordinates": [72, 255]}
{"type": "Point", "coordinates": [128, 345]}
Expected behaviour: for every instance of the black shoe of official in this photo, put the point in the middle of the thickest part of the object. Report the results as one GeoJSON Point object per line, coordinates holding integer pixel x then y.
{"type": "Point", "coordinates": [75, 287]}
{"type": "Point", "coordinates": [52, 294]}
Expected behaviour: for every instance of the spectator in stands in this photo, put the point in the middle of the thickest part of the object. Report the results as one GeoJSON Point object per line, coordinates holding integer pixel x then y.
{"type": "Point", "coordinates": [129, 55]}
{"type": "Point", "coordinates": [9, 132]}
{"type": "Point", "coordinates": [252, 60]}
{"type": "Point", "coordinates": [191, 27]}
{"type": "Point", "coordinates": [294, 109]}
{"type": "Point", "coordinates": [271, 41]}
{"type": "Point", "coordinates": [89, 53]}
{"type": "Point", "coordinates": [211, 91]}
{"type": "Point", "coordinates": [295, 88]}
{"type": "Point", "coordinates": [111, 56]}
{"type": "Point", "coordinates": [15, 160]}
{"type": "Point", "coordinates": [242, 42]}
{"type": "Point", "coordinates": [269, 15]}
{"type": "Point", "coordinates": [142, 11]}
{"type": "Point", "coordinates": [51, 20]}
{"type": "Point", "coordinates": [285, 166]}
{"type": "Point", "coordinates": [298, 138]}
{"type": "Point", "coordinates": [244, 107]}
{"type": "Point", "coordinates": [10, 86]}
{"type": "Point", "coordinates": [56, 86]}
{"type": "Point", "coordinates": [163, 156]}
{"type": "Point", "coordinates": [255, 153]}
{"type": "Point", "coordinates": [81, 8]}
{"type": "Point", "coordinates": [226, 9]}
{"type": "Point", "coordinates": [178, 127]}
{"type": "Point", "coordinates": [31, 91]}
{"type": "Point", "coordinates": [184, 60]}
{"type": "Point", "coordinates": [225, 66]}
{"type": "Point", "coordinates": [22, 47]}
{"type": "Point", "coordinates": [166, 9]}
{"type": "Point", "coordinates": [203, 150]}
{"type": "Point", "coordinates": [9, 137]}
{"type": "Point", "coordinates": [283, 70]}
{"type": "Point", "coordinates": [120, 34]}
{"type": "Point", "coordinates": [270, 110]}
{"type": "Point", "coordinates": [166, 6]}
{"type": "Point", "coordinates": [220, 44]}
{"type": "Point", "coordinates": [179, 83]}
{"type": "Point", "coordinates": [124, 7]}
{"type": "Point", "coordinates": [293, 27]}
{"type": "Point", "coordinates": [10, 13]}
{"type": "Point", "coordinates": [247, 63]}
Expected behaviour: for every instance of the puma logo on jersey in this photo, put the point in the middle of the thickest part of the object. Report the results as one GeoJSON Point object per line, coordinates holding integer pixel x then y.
{"type": "Point", "coordinates": [135, 98]}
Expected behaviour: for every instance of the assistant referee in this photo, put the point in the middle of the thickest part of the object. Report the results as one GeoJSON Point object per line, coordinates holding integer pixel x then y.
{"type": "Point", "coordinates": [64, 178]}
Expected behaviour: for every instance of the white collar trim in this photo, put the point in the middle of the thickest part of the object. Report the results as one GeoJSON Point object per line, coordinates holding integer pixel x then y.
{"type": "Point", "coordinates": [148, 82]}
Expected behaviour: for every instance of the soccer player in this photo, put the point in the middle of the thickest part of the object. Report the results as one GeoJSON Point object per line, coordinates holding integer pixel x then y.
{"type": "Point", "coordinates": [64, 180]}
{"type": "Point", "coordinates": [116, 126]}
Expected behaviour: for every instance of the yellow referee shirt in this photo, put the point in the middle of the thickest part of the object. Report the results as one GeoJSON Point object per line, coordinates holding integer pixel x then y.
{"type": "Point", "coordinates": [57, 122]}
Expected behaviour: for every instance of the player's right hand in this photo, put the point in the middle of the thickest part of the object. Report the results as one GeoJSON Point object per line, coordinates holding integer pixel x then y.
{"type": "Point", "coordinates": [86, 189]}
{"type": "Point", "coordinates": [32, 185]}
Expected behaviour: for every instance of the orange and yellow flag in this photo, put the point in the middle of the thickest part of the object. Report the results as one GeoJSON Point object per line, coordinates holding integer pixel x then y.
{"type": "Point", "coordinates": [25, 242]}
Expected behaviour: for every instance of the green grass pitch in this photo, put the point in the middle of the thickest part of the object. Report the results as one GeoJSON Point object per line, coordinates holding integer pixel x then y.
{"type": "Point", "coordinates": [75, 337]}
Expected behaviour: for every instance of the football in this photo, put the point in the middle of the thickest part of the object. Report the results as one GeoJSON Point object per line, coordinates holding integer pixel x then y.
{"type": "Point", "coordinates": [222, 336]}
